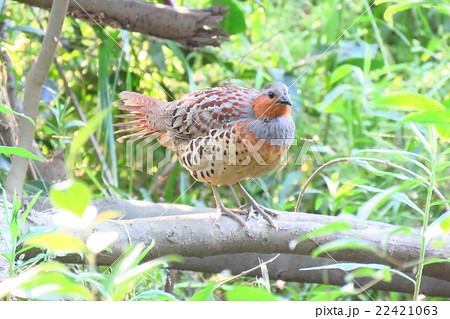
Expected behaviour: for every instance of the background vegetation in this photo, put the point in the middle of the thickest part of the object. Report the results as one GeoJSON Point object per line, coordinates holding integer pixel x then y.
{"type": "Point", "coordinates": [346, 66]}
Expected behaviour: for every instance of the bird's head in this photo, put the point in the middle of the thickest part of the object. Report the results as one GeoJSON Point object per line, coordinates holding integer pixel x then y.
{"type": "Point", "coordinates": [272, 101]}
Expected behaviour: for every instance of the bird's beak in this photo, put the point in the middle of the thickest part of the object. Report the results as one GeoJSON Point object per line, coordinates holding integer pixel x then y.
{"type": "Point", "coordinates": [284, 99]}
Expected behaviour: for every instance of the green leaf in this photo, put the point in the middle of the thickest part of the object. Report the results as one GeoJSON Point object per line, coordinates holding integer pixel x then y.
{"type": "Point", "coordinates": [59, 243]}
{"type": "Point", "coordinates": [442, 166]}
{"type": "Point", "coordinates": [391, 10]}
{"type": "Point", "coordinates": [353, 266]}
{"type": "Point", "coordinates": [443, 130]}
{"type": "Point", "coordinates": [57, 286]}
{"type": "Point", "coordinates": [187, 68]}
{"type": "Point", "coordinates": [436, 260]}
{"type": "Point", "coordinates": [377, 172]}
{"type": "Point", "coordinates": [83, 135]}
{"type": "Point", "coordinates": [100, 240]}
{"type": "Point", "coordinates": [410, 102]}
{"type": "Point", "coordinates": [141, 269]}
{"type": "Point", "coordinates": [234, 22]}
{"type": "Point", "coordinates": [9, 150]}
{"type": "Point", "coordinates": [154, 295]}
{"type": "Point", "coordinates": [334, 94]}
{"type": "Point", "coordinates": [445, 224]}
{"type": "Point", "coordinates": [71, 195]}
{"type": "Point", "coordinates": [27, 29]}
{"type": "Point", "coordinates": [205, 294]}
{"type": "Point", "coordinates": [7, 110]}
{"type": "Point", "coordinates": [384, 195]}
{"type": "Point", "coordinates": [434, 117]}
{"type": "Point", "coordinates": [341, 72]}
{"type": "Point", "coordinates": [440, 202]}
{"type": "Point", "coordinates": [345, 243]}
{"type": "Point", "coordinates": [332, 228]}
{"type": "Point", "coordinates": [28, 209]}
{"type": "Point", "coordinates": [248, 293]}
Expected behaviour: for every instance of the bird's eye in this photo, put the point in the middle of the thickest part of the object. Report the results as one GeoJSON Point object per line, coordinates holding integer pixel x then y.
{"type": "Point", "coordinates": [271, 95]}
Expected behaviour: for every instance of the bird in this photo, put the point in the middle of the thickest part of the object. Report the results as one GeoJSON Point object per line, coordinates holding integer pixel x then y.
{"type": "Point", "coordinates": [221, 135]}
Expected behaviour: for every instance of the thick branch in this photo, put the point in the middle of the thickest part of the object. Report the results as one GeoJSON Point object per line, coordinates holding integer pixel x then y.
{"type": "Point", "coordinates": [286, 267]}
{"type": "Point", "coordinates": [190, 27]}
{"type": "Point", "coordinates": [33, 86]}
{"type": "Point", "coordinates": [193, 232]}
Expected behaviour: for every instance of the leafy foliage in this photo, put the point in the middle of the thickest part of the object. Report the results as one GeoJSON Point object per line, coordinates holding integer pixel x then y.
{"type": "Point", "coordinates": [364, 81]}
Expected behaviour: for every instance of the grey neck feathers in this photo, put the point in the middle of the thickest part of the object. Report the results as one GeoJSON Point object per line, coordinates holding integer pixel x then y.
{"type": "Point", "coordinates": [279, 131]}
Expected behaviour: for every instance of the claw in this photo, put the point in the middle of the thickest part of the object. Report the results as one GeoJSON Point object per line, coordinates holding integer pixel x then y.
{"type": "Point", "coordinates": [226, 211]}
{"type": "Point", "coordinates": [253, 207]}
{"type": "Point", "coordinates": [231, 213]}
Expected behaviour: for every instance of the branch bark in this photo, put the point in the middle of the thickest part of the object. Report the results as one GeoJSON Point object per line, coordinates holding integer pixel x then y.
{"type": "Point", "coordinates": [33, 87]}
{"type": "Point", "coordinates": [190, 27]}
{"type": "Point", "coordinates": [211, 247]}
{"type": "Point", "coordinates": [286, 267]}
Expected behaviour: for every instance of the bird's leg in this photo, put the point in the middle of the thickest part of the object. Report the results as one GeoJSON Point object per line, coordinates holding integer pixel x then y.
{"type": "Point", "coordinates": [226, 211]}
{"type": "Point", "coordinates": [236, 197]}
{"type": "Point", "coordinates": [253, 206]}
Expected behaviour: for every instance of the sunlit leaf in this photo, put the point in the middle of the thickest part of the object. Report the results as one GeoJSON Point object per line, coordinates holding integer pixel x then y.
{"type": "Point", "coordinates": [410, 102]}
{"type": "Point", "coordinates": [10, 284]}
{"type": "Point", "coordinates": [100, 240]}
{"type": "Point", "coordinates": [391, 10]}
{"type": "Point", "coordinates": [372, 169]}
{"type": "Point", "coordinates": [341, 72]}
{"type": "Point", "coordinates": [445, 224]}
{"type": "Point", "coordinates": [53, 286]}
{"type": "Point", "coordinates": [83, 135]}
{"type": "Point", "coordinates": [434, 117]}
{"type": "Point", "coordinates": [108, 215]}
{"type": "Point", "coordinates": [443, 130]}
{"type": "Point", "coordinates": [334, 94]}
{"type": "Point", "coordinates": [332, 228]}
{"type": "Point", "coordinates": [249, 293]}
{"type": "Point", "coordinates": [439, 228]}
{"type": "Point", "coordinates": [70, 195]}
{"type": "Point", "coordinates": [7, 110]}
{"type": "Point", "coordinates": [10, 150]}
{"type": "Point", "coordinates": [393, 192]}
{"type": "Point", "coordinates": [154, 295]}
{"type": "Point", "coordinates": [234, 22]}
{"type": "Point", "coordinates": [345, 243]}
{"type": "Point", "coordinates": [205, 294]}
{"type": "Point", "coordinates": [59, 243]}
{"type": "Point", "coordinates": [352, 266]}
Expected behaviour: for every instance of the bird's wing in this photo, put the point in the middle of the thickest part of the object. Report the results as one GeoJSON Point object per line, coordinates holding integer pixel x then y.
{"type": "Point", "coordinates": [197, 113]}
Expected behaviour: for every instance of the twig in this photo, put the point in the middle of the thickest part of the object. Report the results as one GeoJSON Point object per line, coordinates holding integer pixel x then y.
{"type": "Point", "coordinates": [246, 271]}
{"type": "Point", "coordinates": [33, 87]}
{"type": "Point", "coordinates": [367, 159]}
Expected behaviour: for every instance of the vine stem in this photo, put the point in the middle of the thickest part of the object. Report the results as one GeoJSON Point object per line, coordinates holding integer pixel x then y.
{"type": "Point", "coordinates": [423, 243]}
{"type": "Point", "coordinates": [367, 159]}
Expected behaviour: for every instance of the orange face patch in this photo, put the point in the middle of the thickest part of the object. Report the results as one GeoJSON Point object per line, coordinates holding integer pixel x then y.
{"type": "Point", "coordinates": [266, 107]}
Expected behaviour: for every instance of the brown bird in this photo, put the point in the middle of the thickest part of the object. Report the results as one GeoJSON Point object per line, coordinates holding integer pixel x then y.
{"type": "Point", "coordinates": [222, 135]}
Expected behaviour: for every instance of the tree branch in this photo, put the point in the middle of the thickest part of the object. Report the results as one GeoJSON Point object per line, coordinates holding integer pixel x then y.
{"type": "Point", "coordinates": [190, 27]}
{"type": "Point", "coordinates": [33, 86]}
{"type": "Point", "coordinates": [192, 232]}
{"type": "Point", "coordinates": [286, 267]}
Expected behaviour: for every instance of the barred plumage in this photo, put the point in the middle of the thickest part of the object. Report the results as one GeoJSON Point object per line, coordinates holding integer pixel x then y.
{"type": "Point", "coordinates": [221, 135]}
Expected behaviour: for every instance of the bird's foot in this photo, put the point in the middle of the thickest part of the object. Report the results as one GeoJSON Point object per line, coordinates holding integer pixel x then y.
{"type": "Point", "coordinates": [233, 213]}
{"type": "Point", "coordinates": [267, 213]}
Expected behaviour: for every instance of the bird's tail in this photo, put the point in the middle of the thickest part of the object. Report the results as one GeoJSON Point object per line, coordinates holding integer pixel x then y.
{"type": "Point", "coordinates": [146, 114]}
